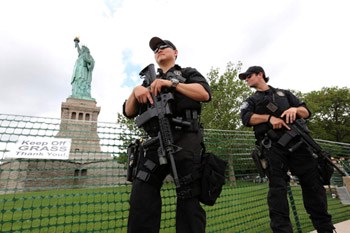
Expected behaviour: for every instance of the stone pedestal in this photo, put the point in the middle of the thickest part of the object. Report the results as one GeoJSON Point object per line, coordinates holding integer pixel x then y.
{"type": "Point", "coordinates": [79, 109]}
{"type": "Point", "coordinates": [79, 122]}
{"type": "Point", "coordinates": [346, 181]}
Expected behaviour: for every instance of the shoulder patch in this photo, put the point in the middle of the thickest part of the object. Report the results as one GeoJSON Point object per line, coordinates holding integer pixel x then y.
{"type": "Point", "coordinates": [244, 105]}
{"type": "Point", "coordinates": [280, 93]}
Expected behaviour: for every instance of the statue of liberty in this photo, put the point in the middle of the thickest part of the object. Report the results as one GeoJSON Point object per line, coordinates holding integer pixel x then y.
{"type": "Point", "coordinates": [82, 73]}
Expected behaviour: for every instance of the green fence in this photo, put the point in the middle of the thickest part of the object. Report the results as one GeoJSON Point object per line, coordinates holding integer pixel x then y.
{"type": "Point", "coordinates": [88, 192]}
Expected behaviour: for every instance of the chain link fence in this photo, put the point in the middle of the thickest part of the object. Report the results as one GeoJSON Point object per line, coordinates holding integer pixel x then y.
{"type": "Point", "coordinates": [88, 191]}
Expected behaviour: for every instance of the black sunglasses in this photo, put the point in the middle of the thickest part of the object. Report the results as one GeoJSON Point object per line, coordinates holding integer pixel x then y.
{"type": "Point", "coordinates": [249, 76]}
{"type": "Point", "coordinates": [163, 46]}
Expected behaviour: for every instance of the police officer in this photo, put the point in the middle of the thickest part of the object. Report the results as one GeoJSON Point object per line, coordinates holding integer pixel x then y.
{"type": "Point", "coordinates": [190, 88]}
{"type": "Point", "coordinates": [257, 112]}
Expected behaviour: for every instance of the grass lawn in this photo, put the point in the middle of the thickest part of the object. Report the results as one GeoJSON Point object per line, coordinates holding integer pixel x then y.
{"type": "Point", "coordinates": [239, 209]}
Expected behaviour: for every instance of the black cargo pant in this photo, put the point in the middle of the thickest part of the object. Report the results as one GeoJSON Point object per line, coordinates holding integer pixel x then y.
{"type": "Point", "coordinates": [145, 199]}
{"type": "Point", "coordinates": [304, 166]}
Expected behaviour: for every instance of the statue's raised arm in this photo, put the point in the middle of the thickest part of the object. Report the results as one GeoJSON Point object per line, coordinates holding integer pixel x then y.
{"type": "Point", "coordinates": [76, 41]}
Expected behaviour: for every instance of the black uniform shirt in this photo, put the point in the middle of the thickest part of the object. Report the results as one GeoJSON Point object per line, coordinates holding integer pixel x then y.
{"type": "Point", "coordinates": [185, 75]}
{"type": "Point", "coordinates": [257, 103]}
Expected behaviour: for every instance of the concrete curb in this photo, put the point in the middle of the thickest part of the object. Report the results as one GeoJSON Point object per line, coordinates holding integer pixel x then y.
{"type": "Point", "coordinates": [341, 227]}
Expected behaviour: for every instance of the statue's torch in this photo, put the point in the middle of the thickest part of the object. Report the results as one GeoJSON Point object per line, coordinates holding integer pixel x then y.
{"type": "Point", "coordinates": [76, 40]}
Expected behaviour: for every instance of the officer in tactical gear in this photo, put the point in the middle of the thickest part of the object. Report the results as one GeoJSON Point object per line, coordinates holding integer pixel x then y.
{"type": "Point", "coordinates": [257, 112]}
{"type": "Point", "coordinates": [189, 88]}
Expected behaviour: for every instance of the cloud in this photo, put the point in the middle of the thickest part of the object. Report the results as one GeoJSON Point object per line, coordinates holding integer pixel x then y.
{"type": "Point", "coordinates": [302, 45]}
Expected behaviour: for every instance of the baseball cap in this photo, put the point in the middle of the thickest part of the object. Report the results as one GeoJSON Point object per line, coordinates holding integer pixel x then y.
{"type": "Point", "coordinates": [253, 70]}
{"type": "Point", "coordinates": [156, 41]}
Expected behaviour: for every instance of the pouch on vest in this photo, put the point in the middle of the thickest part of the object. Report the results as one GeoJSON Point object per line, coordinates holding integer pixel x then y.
{"type": "Point", "coordinates": [213, 178]}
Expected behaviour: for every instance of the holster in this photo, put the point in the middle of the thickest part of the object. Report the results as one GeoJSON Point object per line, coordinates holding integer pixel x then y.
{"type": "Point", "coordinates": [258, 156]}
{"type": "Point", "coordinates": [259, 161]}
{"type": "Point", "coordinates": [133, 152]}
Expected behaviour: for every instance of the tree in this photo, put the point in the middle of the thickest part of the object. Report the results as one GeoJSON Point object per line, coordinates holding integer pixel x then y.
{"type": "Point", "coordinates": [223, 112]}
{"type": "Point", "coordinates": [129, 132]}
{"type": "Point", "coordinates": [331, 113]}
{"type": "Point", "coordinates": [228, 93]}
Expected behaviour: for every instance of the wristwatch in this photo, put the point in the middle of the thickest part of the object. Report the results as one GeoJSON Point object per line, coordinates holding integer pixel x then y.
{"type": "Point", "coordinates": [174, 82]}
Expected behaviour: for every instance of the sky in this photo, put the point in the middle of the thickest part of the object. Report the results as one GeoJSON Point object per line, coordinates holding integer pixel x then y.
{"type": "Point", "coordinates": [302, 45]}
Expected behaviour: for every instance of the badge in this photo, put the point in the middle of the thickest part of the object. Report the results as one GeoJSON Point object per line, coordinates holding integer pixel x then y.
{"type": "Point", "coordinates": [280, 93]}
{"type": "Point", "coordinates": [178, 72]}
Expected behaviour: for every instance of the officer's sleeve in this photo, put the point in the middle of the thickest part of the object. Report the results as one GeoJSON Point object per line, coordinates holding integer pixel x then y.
{"type": "Point", "coordinates": [247, 110]}
{"type": "Point", "coordinates": [123, 107]}
{"type": "Point", "coordinates": [295, 102]}
{"type": "Point", "coordinates": [124, 113]}
{"type": "Point", "coordinates": [193, 76]}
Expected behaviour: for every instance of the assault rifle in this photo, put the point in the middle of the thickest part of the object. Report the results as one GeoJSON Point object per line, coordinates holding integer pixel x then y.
{"type": "Point", "coordinates": [299, 129]}
{"type": "Point", "coordinates": [161, 111]}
